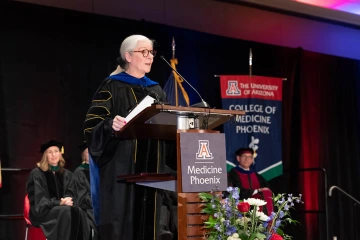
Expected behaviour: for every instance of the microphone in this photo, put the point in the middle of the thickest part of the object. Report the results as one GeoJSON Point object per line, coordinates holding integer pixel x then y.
{"type": "Point", "coordinates": [201, 104]}
{"type": "Point", "coordinates": [331, 189]}
{"type": "Point", "coordinates": [153, 94]}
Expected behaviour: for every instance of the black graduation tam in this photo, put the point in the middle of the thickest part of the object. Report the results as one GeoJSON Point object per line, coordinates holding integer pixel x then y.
{"type": "Point", "coordinates": [83, 146]}
{"type": "Point", "coordinates": [241, 151]}
{"type": "Point", "coordinates": [51, 143]}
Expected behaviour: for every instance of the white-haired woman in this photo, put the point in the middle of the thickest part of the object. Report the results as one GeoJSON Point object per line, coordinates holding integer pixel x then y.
{"type": "Point", "coordinates": [50, 189]}
{"type": "Point", "coordinates": [125, 211]}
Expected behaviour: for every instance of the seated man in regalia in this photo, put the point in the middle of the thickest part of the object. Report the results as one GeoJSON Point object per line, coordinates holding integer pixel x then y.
{"type": "Point", "coordinates": [250, 183]}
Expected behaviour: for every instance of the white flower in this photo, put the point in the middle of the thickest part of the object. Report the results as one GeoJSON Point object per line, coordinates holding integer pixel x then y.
{"type": "Point", "coordinates": [255, 202]}
{"type": "Point", "coordinates": [262, 216]}
{"type": "Point", "coordinates": [241, 221]}
{"type": "Point", "coordinates": [222, 219]}
{"type": "Point", "coordinates": [235, 235]}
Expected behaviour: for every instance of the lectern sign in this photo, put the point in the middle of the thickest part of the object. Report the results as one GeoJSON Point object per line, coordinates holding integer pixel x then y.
{"type": "Point", "coordinates": [203, 161]}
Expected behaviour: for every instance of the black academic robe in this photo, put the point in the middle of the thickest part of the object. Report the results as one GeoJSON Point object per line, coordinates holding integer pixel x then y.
{"type": "Point", "coordinates": [248, 182]}
{"type": "Point", "coordinates": [45, 190]}
{"type": "Point", "coordinates": [127, 211]}
{"type": "Point", "coordinates": [82, 191]}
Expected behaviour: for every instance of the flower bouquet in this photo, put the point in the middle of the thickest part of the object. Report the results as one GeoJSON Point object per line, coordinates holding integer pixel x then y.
{"type": "Point", "coordinates": [233, 219]}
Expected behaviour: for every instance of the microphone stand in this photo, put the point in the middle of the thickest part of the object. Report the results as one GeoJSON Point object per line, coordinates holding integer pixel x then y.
{"type": "Point", "coordinates": [353, 207]}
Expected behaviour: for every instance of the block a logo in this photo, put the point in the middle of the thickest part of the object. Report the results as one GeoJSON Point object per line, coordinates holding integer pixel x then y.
{"type": "Point", "coordinates": [204, 150]}
{"type": "Point", "coordinates": [233, 89]}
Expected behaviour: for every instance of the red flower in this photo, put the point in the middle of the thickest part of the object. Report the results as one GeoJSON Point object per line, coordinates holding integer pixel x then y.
{"type": "Point", "coordinates": [243, 207]}
{"type": "Point", "coordinates": [276, 237]}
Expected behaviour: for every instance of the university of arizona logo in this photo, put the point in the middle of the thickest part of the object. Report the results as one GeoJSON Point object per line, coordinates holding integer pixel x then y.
{"type": "Point", "coordinates": [204, 150]}
{"type": "Point", "coordinates": [233, 89]}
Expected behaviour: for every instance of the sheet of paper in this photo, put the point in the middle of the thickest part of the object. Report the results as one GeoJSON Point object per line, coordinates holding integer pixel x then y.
{"type": "Point", "coordinates": [146, 102]}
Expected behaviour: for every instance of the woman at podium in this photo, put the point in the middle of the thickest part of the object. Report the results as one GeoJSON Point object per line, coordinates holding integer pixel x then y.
{"type": "Point", "coordinates": [126, 211]}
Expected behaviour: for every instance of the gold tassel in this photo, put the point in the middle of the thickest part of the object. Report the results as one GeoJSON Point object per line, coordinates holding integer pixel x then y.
{"type": "Point", "coordinates": [62, 150]}
{"type": "Point", "coordinates": [179, 81]}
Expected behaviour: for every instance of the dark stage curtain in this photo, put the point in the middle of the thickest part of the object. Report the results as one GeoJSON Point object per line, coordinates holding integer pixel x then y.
{"type": "Point", "coordinates": [52, 61]}
{"type": "Point", "coordinates": [329, 137]}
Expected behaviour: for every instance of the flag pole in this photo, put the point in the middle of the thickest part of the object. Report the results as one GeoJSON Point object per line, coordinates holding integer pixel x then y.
{"type": "Point", "coordinates": [250, 67]}
{"type": "Point", "coordinates": [175, 83]}
{"type": "Point", "coordinates": [250, 63]}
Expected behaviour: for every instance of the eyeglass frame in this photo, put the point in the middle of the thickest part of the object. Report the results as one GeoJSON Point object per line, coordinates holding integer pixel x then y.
{"type": "Point", "coordinates": [153, 52]}
{"type": "Point", "coordinates": [247, 157]}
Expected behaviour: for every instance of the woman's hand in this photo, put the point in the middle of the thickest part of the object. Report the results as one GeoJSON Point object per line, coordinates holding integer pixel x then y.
{"type": "Point", "coordinates": [118, 123]}
{"type": "Point", "coordinates": [66, 201]}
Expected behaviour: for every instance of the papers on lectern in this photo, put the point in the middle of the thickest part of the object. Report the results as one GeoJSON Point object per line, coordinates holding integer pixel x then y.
{"type": "Point", "coordinates": [144, 103]}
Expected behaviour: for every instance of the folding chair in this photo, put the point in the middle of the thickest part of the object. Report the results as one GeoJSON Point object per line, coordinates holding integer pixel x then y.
{"type": "Point", "coordinates": [34, 233]}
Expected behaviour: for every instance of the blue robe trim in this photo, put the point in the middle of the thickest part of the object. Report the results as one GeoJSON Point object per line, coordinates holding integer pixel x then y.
{"type": "Point", "coordinates": [124, 77]}
{"type": "Point", "coordinates": [95, 189]}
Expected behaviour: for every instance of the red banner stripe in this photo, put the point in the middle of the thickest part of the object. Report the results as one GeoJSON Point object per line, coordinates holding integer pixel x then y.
{"type": "Point", "coordinates": [245, 86]}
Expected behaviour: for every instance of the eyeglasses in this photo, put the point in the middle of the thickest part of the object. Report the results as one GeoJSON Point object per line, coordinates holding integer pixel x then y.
{"type": "Point", "coordinates": [146, 52]}
{"type": "Point", "coordinates": [247, 157]}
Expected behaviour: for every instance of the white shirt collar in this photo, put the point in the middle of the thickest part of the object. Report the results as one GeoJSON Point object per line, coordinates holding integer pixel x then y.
{"type": "Point", "coordinates": [244, 168]}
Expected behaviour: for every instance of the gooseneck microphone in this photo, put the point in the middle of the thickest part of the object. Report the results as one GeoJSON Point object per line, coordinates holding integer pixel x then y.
{"type": "Point", "coordinates": [156, 96]}
{"type": "Point", "coordinates": [201, 104]}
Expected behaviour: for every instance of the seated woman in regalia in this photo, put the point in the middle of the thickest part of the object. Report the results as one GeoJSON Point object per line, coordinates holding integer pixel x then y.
{"type": "Point", "coordinates": [50, 188]}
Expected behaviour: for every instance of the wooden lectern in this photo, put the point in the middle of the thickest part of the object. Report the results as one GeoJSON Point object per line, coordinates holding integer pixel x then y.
{"type": "Point", "coordinates": [165, 122]}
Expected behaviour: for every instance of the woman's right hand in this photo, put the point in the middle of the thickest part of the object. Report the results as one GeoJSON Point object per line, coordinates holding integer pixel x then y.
{"type": "Point", "coordinates": [118, 123]}
{"type": "Point", "coordinates": [66, 201]}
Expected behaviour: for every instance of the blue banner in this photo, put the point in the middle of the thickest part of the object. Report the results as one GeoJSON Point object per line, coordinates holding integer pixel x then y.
{"type": "Point", "coordinates": [260, 127]}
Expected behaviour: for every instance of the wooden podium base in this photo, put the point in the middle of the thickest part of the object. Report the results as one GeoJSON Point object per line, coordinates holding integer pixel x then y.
{"type": "Point", "coordinates": [190, 218]}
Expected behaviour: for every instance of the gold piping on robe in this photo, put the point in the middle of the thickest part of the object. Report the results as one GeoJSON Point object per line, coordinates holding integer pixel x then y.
{"type": "Point", "coordinates": [157, 170]}
{"type": "Point", "coordinates": [91, 108]}
{"type": "Point", "coordinates": [135, 139]}
{"type": "Point", "coordinates": [103, 100]}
